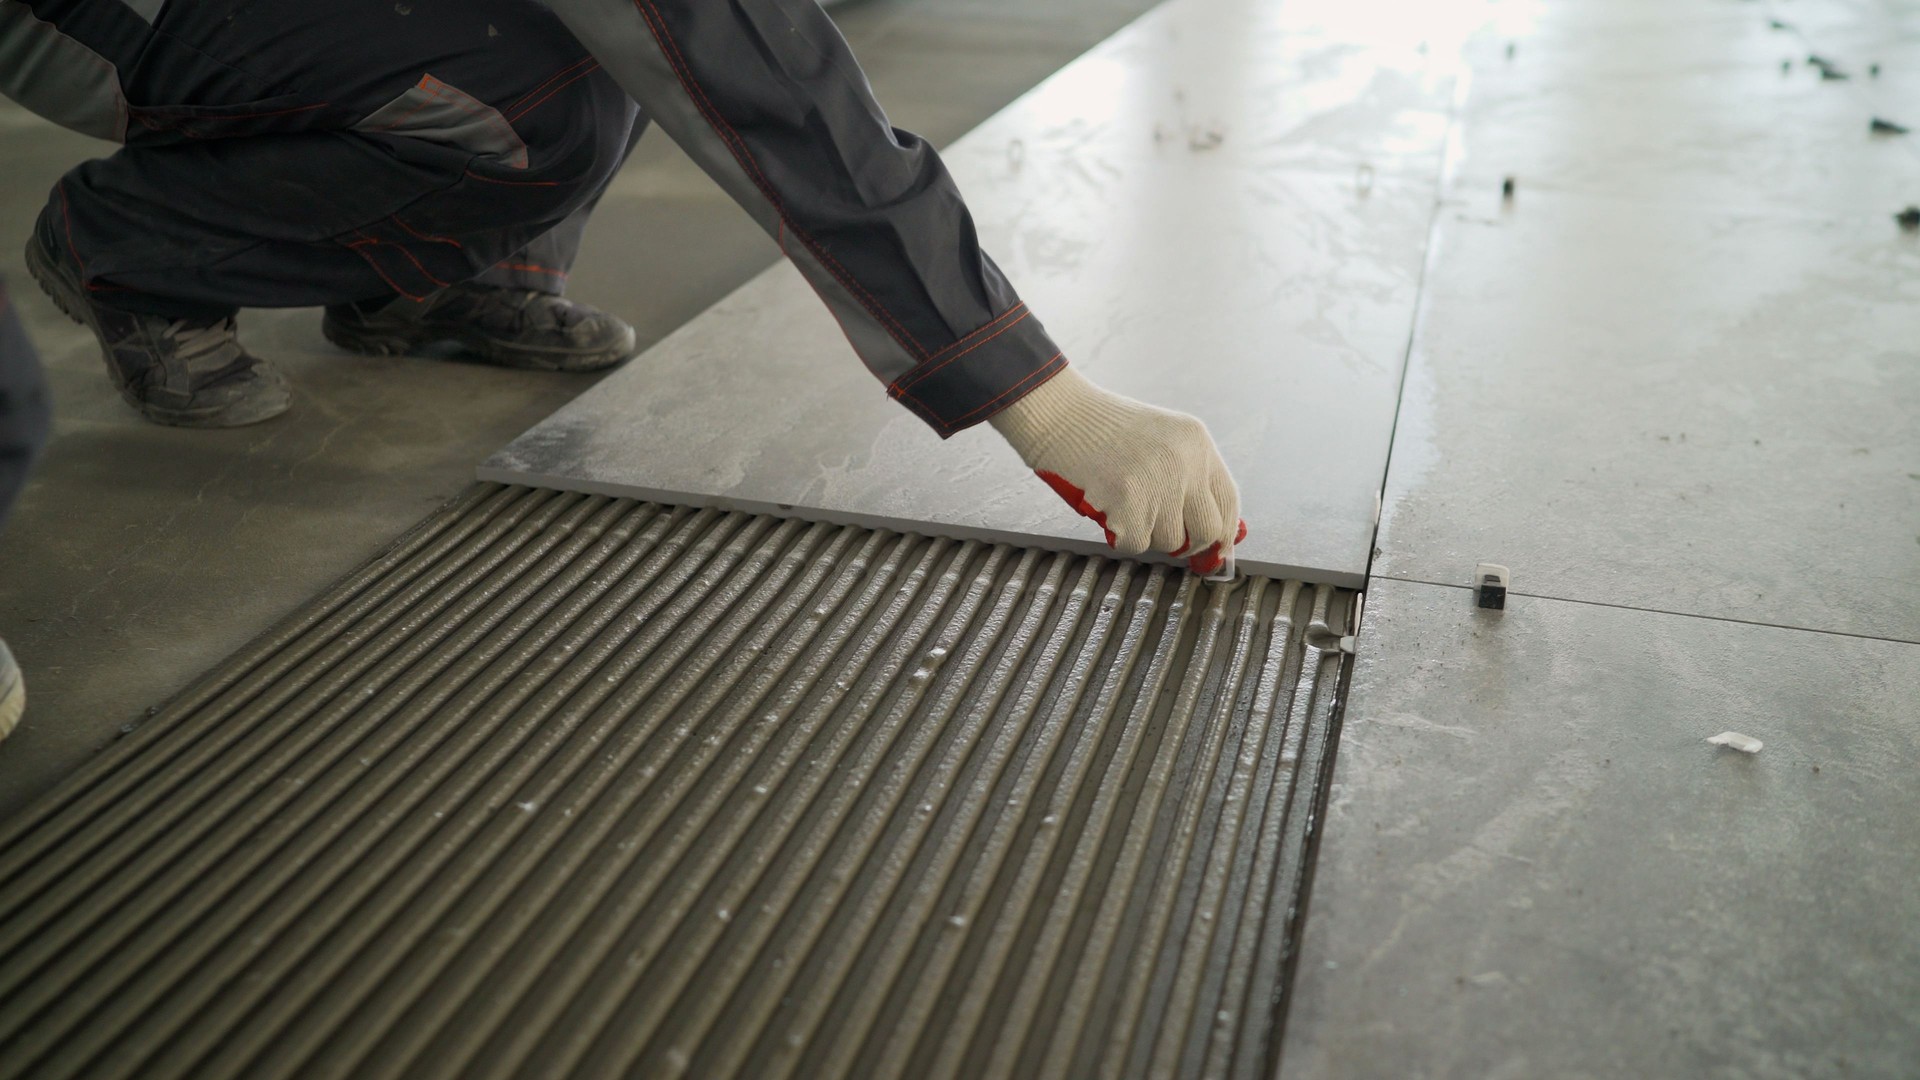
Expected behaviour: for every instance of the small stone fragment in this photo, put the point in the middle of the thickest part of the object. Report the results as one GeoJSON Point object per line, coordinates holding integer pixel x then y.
{"type": "Point", "coordinates": [1733, 740]}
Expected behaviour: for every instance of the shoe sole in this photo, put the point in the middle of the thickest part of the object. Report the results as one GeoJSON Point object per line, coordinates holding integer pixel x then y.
{"type": "Point", "coordinates": [66, 295]}
{"type": "Point", "coordinates": [13, 693]}
{"type": "Point", "coordinates": [374, 341]}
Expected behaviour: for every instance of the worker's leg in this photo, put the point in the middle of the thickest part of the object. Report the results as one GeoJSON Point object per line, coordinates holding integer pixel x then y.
{"type": "Point", "coordinates": [313, 154]}
{"type": "Point", "coordinates": [514, 313]}
{"type": "Point", "coordinates": [356, 152]}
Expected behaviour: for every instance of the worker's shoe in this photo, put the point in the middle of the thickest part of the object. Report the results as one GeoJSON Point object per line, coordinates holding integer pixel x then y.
{"type": "Point", "coordinates": [183, 372]}
{"type": "Point", "coordinates": [516, 328]}
{"type": "Point", "coordinates": [13, 692]}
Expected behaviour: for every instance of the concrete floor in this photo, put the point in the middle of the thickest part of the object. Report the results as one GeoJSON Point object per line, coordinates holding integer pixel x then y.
{"type": "Point", "coordinates": [141, 555]}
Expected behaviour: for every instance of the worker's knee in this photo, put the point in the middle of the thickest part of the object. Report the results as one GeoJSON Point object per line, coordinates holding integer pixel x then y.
{"type": "Point", "coordinates": [574, 139]}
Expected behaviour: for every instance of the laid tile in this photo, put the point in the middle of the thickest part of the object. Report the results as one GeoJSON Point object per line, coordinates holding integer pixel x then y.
{"type": "Point", "coordinates": [1633, 404]}
{"type": "Point", "coordinates": [1534, 863]}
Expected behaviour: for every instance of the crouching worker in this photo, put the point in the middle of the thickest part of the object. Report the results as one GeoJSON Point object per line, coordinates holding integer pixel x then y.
{"type": "Point", "coordinates": [424, 171]}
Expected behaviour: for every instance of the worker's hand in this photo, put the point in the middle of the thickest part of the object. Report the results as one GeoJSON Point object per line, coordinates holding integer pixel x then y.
{"type": "Point", "coordinates": [1152, 478]}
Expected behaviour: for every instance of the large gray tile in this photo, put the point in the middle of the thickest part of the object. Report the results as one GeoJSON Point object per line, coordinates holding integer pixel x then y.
{"type": "Point", "coordinates": [1258, 283]}
{"type": "Point", "coordinates": [1534, 865]}
{"type": "Point", "coordinates": [1643, 405]}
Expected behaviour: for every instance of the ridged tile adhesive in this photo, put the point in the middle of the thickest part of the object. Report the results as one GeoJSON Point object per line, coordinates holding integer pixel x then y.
{"type": "Point", "coordinates": [564, 785]}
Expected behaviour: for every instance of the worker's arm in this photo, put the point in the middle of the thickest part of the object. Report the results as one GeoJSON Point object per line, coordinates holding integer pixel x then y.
{"type": "Point", "coordinates": [767, 98]}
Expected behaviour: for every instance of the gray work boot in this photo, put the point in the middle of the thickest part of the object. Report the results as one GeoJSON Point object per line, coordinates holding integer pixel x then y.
{"type": "Point", "coordinates": [516, 328]}
{"type": "Point", "coordinates": [13, 692]}
{"type": "Point", "coordinates": [182, 372]}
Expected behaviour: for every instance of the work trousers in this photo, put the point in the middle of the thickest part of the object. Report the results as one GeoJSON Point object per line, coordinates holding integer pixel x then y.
{"type": "Point", "coordinates": [285, 153]}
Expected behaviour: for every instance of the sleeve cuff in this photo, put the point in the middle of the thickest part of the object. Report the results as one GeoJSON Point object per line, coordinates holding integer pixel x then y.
{"type": "Point", "coordinates": [982, 373]}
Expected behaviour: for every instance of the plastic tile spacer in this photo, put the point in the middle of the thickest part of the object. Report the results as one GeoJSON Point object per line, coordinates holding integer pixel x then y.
{"type": "Point", "coordinates": [1490, 585]}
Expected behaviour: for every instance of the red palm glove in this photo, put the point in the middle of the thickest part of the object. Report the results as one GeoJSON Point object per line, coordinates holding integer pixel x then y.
{"type": "Point", "coordinates": [1151, 478]}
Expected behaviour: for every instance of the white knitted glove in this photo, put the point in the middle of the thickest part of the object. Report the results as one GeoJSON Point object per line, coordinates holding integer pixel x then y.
{"type": "Point", "coordinates": [1151, 477]}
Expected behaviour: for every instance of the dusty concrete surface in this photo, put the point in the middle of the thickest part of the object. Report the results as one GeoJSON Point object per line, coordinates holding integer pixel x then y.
{"type": "Point", "coordinates": [141, 555]}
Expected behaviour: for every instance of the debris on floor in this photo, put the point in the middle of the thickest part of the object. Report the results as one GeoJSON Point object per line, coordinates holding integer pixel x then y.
{"type": "Point", "coordinates": [1828, 69]}
{"type": "Point", "coordinates": [1886, 127]}
{"type": "Point", "coordinates": [1746, 744]}
{"type": "Point", "coordinates": [1909, 218]}
{"type": "Point", "coordinates": [1506, 188]}
{"type": "Point", "coordinates": [1490, 585]}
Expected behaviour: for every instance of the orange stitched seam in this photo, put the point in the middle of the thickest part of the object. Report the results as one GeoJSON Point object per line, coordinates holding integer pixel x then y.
{"type": "Point", "coordinates": [384, 276]}
{"type": "Point", "coordinates": [440, 93]}
{"type": "Point", "coordinates": [474, 107]}
{"type": "Point", "coordinates": [919, 406]}
{"type": "Point", "coordinates": [555, 90]}
{"type": "Point", "coordinates": [369, 241]}
{"type": "Point", "coordinates": [915, 380]}
{"type": "Point", "coordinates": [737, 145]}
{"type": "Point", "coordinates": [534, 269]}
{"type": "Point", "coordinates": [422, 267]}
{"type": "Point", "coordinates": [1054, 364]}
{"type": "Point", "coordinates": [425, 87]}
{"type": "Point", "coordinates": [978, 330]}
{"type": "Point", "coordinates": [781, 238]}
{"type": "Point", "coordinates": [528, 96]}
{"type": "Point", "coordinates": [417, 235]}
